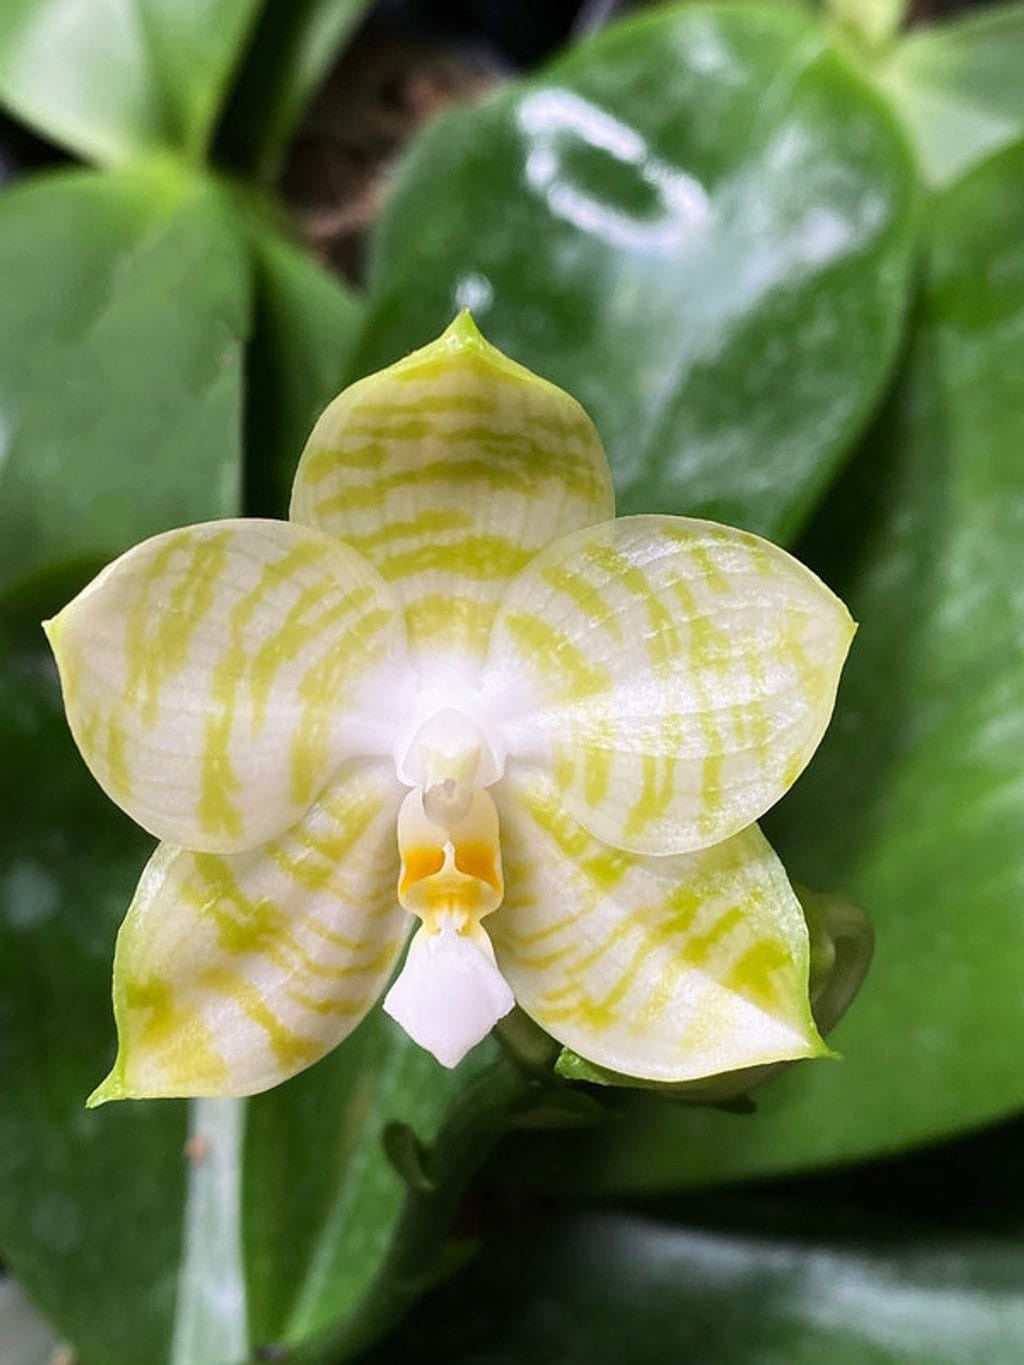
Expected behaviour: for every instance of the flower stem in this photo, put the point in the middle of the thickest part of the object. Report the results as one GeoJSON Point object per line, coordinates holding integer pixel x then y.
{"type": "Point", "coordinates": [210, 1314]}
{"type": "Point", "coordinates": [420, 1254]}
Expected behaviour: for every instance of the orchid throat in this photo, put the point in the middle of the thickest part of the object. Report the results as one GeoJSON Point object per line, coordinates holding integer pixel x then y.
{"type": "Point", "coordinates": [450, 992]}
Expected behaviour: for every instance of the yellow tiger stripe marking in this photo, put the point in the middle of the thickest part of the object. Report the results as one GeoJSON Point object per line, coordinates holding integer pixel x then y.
{"type": "Point", "coordinates": [442, 616]}
{"type": "Point", "coordinates": [754, 975]}
{"type": "Point", "coordinates": [182, 1045]}
{"type": "Point", "coordinates": [581, 591]}
{"type": "Point", "coordinates": [603, 1013]}
{"type": "Point", "coordinates": [217, 811]}
{"type": "Point", "coordinates": [563, 663]}
{"type": "Point", "coordinates": [658, 788]}
{"type": "Point", "coordinates": [477, 557]}
{"type": "Point", "coordinates": [428, 522]}
{"type": "Point", "coordinates": [118, 767]}
{"type": "Point", "coordinates": [603, 865]}
{"type": "Point", "coordinates": [291, 1049]}
{"type": "Point", "coordinates": [661, 636]}
{"type": "Point", "coordinates": [334, 1005]}
{"type": "Point", "coordinates": [260, 927]}
{"type": "Point", "coordinates": [597, 771]}
{"type": "Point", "coordinates": [158, 635]}
{"type": "Point", "coordinates": [467, 475]}
{"type": "Point", "coordinates": [297, 631]}
{"type": "Point", "coordinates": [350, 654]}
{"type": "Point", "coordinates": [516, 938]}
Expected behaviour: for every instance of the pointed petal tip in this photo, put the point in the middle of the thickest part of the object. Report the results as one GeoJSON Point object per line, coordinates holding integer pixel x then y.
{"type": "Point", "coordinates": [815, 1048]}
{"type": "Point", "coordinates": [824, 1051]}
{"type": "Point", "coordinates": [109, 1089]}
{"type": "Point", "coordinates": [53, 629]}
{"type": "Point", "coordinates": [462, 331]}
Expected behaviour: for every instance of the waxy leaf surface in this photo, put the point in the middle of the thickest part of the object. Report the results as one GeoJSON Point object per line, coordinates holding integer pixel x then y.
{"type": "Point", "coordinates": [120, 363]}
{"type": "Point", "coordinates": [959, 87]}
{"type": "Point", "coordinates": [116, 79]}
{"type": "Point", "coordinates": [323, 1199]}
{"type": "Point", "coordinates": [607, 1287]}
{"type": "Point", "coordinates": [699, 224]}
{"type": "Point", "coordinates": [304, 324]}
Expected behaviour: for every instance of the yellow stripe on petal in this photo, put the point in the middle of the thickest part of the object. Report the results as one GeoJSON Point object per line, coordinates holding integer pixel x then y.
{"type": "Point", "coordinates": [449, 471]}
{"type": "Point", "coordinates": [668, 969]}
{"type": "Point", "coordinates": [214, 677]}
{"type": "Point", "coordinates": [673, 676]}
{"type": "Point", "coordinates": [234, 972]}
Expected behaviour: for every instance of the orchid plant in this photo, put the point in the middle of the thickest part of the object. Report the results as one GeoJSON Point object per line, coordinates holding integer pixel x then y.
{"type": "Point", "coordinates": [453, 689]}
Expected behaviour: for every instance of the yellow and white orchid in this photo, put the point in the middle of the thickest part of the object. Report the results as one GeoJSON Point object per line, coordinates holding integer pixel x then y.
{"type": "Point", "coordinates": [453, 689]}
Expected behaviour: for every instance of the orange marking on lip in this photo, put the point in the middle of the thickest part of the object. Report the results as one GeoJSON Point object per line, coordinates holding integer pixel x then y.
{"type": "Point", "coordinates": [417, 864]}
{"type": "Point", "coordinates": [478, 860]}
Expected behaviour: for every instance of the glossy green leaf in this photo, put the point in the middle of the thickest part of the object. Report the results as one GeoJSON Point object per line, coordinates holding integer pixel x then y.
{"type": "Point", "coordinates": [700, 224]}
{"type": "Point", "coordinates": [960, 88]}
{"type": "Point", "coordinates": [304, 325]}
{"type": "Point", "coordinates": [88, 1201]}
{"type": "Point", "coordinates": [120, 362]}
{"type": "Point", "coordinates": [915, 804]}
{"type": "Point", "coordinates": [872, 24]}
{"type": "Point", "coordinates": [292, 51]}
{"type": "Point", "coordinates": [608, 1287]}
{"type": "Point", "coordinates": [329, 1215]}
{"type": "Point", "coordinates": [113, 79]}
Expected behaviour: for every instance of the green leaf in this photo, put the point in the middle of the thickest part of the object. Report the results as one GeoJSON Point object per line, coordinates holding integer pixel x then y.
{"type": "Point", "coordinates": [700, 224]}
{"type": "Point", "coordinates": [304, 325]}
{"type": "Point", "coordinates": [915, 805]}
{"type": "Point", "coordinates": [120, 362]}
{"type": "Point", "coordinates": [603, 1288]}
{"type": "Point", "coordinates": [960, 89]}
{"type": "Point", "coordinates": [90, 1202]}
{"type": "Point", "coordinates": [324, 1199]}
{"type": "Point", "coordinates": [872, 24]}
{"type": "Point", "coordinates": [292, 51]}
{"type": "Point", "coordinates": [116, 79]}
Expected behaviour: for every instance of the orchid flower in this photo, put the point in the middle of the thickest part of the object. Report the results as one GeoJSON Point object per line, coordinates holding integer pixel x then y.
{"type": "Point", "coordinates": [452, 689]}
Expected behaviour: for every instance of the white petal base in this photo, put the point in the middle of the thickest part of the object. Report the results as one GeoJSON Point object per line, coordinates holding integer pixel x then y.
{"type": "Point", "coordinates": [449, 995]}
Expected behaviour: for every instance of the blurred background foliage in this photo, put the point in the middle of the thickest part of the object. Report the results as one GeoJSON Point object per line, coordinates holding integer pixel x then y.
{"type": "Point", "coordinates": [777, 249]}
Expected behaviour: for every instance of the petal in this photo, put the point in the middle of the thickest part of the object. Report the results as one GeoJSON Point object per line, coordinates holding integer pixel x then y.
{"type": "Point", "coordinates": [674, 676]}
{"type": "Point", "coordinates": [449, 471]}
{"type": "Point", "coordinates": [450, 993]}
{"type": "Point", "coordinates": [663, 968]}
{"type": "Point", "coordinates": [232, 973]}
{"type": "Point", "coordinates": [215, 677]}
